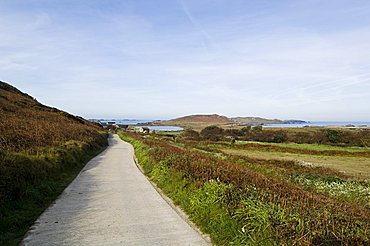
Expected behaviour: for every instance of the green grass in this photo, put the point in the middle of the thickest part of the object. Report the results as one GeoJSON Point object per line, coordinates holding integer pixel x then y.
{"type": "Point", "coordinates": [349, 190]}
{"type": "Point", "coordinates": [355, 163]}
{"type": "Point", "coordinates": [173, 133]}
{"type": "Point", "coordinates": [357, 166]}
{"type": "Point", "coordinates": [29, 198]}
{"type": "Point", "coordinates": [319, 147]}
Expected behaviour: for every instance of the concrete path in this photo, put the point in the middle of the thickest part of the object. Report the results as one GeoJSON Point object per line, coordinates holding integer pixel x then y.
{"type": "Point", "coordinates": [111, 203]}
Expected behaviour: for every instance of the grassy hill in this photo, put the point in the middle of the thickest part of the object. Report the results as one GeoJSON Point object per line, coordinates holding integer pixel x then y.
{"type": "Point", "coordinates": [209, 119]}
{"type": "Point", "coordinates": [257, 120]}
{"type": "Point", "coordinates": [215, 119]}
{"type": "Point", "coordinates": [26, 124]}
{"type": "Point", "coordinates": [41, 150]}
{"type": "Point", "coordinates": [198, 122]}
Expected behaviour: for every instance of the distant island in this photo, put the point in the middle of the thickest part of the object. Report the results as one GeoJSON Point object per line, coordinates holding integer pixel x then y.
{"type": "Point", "coordinates": [220, 119]}
{"type": "Point", "coordinates": [212, 119]}
{"type": "Point", "coordinates": [263, 121]}
{"type": "Point", "coordinates": [202, 120]}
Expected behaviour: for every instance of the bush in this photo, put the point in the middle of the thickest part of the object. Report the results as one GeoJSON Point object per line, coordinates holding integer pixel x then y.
{"type": "Point", "coordinates": [213, 133]}
{"type": "Point", "coordinates": [246, 129]}
{"type": "Point", "coordinates": [257, 129]}
{"type": "Point", "coordinates": [280, 137]}
{"type": "Point", "coordinates": [333, 136]}
{"type": "Point", "coordinates": [234, 133]}
{"type": "Point", "coordinates": [190, 134]}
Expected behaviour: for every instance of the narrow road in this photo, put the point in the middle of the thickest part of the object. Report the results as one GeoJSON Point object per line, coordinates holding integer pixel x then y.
{"type": "Point", "coordinates": [111, 203]}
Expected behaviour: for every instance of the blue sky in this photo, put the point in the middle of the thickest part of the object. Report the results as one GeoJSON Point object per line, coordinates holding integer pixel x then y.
{"type": "Point", "coordinates": [158, 59]}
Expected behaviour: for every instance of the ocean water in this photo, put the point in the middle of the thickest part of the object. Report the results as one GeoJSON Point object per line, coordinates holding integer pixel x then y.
{"type": "Point", "coordinates": [126, 121]}
{"type": "Point", "coordinates": [163, 128]}
{"type": "Point", "coordinates": [321, 123]}
{"type": "Point", "coordinates": [135, 121]}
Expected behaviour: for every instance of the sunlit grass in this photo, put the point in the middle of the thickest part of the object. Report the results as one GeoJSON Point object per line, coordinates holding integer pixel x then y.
{"type": "Point", "coordinates": [310, 146]}
{"type": "Point", "coordinates": [357, 166]}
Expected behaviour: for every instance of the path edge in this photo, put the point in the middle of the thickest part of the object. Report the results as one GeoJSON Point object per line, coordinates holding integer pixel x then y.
{"type": "Point", "coordinates": [168, 200]}
{"type": "Point", "coordinates": [35, 224]}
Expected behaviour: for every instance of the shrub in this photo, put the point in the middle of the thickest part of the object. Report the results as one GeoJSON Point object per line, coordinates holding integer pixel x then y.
{"type": "Point", "coordinates": [190, 134]}
{"type": "Point", "coordinates": [333, 136]}
{"type": "Point", "coordinates": [246, 129]}
{"type": "Point", "coordinates": [213, 133]}
{"type": "Point", "coordinates": [233, 133]}
{"type": "Point", "coordinates": [280, 137]}
{"type": "Point", "coordinates": [257, 129]}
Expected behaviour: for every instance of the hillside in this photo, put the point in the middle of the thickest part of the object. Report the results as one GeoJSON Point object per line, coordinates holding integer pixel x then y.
{"type": "Point", "coordinates": [263, 121]}
{"type": "Point", "coordinates": [42, 149]}
{"type": "Point", "coordinates": [257, 120]}
{"type": "Point", "coordinates": [209, 119]}
{"type": "Point", "coordinates": [25, 123]}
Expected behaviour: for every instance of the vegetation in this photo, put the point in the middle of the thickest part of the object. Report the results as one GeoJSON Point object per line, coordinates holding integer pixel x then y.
{"type": "Point", "coordinates": [242, 200]}
{"type": "Point", "coordinates": [212, 133]}
{"type": "Point", "coordinates": [340, 137]}
{"type": "Point", "coordinates": [354, 161]}
{"type": "Point", "coordinates": [26, 124]}
{"type": "Point", "coordinates": [41, 151]}
{"type": "Point", "coordinates": [191, 134]}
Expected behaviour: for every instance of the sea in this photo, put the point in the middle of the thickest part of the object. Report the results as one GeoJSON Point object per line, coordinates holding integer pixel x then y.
{"type": "Point", "coordinates": [321, 123]}
{"type": "Point", "coordinates": [163, 128]}
{"type": "Point", "coordinates": [124, 121]}
{"type": "Point", "coordinates": [142, 124]}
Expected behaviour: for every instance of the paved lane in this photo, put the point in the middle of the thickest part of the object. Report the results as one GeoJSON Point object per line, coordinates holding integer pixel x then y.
{"type": "Point", "coordinates": [112, 203]}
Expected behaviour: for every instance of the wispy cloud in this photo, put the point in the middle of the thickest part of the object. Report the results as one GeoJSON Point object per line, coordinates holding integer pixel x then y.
{"type": "Point", "coordinates": [206, 37]}
{"type": "Point", "coordinates": [234, 58]}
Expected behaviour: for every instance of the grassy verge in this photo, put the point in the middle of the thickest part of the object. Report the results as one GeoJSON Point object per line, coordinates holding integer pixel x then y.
{"type": "Point", "coordinates": [238, 205]}
{"type": "Point", "coordinates": [30, 183]}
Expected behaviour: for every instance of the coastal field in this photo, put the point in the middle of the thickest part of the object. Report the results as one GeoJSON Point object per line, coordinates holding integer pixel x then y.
{"type": "Point", "coordinates": [353, 161]}
{"type": "Point", "coordinates": [248, 192]}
